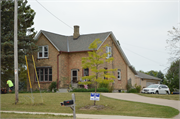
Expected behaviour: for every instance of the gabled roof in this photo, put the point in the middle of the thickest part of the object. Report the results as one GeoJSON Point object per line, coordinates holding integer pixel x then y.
{"type": "Point", "coordinates": [145, 76]}
{"type": "Point", "coordinates": [67, 44]}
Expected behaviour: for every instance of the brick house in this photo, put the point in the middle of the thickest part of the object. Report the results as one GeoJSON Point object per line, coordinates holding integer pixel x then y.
{"type": "Point", "coordinates": [59, 59]}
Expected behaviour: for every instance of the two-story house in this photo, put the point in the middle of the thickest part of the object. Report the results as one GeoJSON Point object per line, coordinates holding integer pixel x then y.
{"type": "Point", "coordinates": [59, 59]}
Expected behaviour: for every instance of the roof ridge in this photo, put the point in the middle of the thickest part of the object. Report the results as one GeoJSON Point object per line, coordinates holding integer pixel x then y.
{"type": "Point", "coordinates": [54, 33]}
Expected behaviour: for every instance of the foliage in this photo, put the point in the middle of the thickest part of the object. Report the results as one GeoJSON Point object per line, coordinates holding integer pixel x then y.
{"type": "Point", "coordinates": [25, 39]}
{"type": "Point", "coordinates": [138, 88]}
{"type": "Point", "coordinates": [172, 76]}
{"type": "Point", "coordinates": [128, 86]}
{"type": "Point", "coordinates": [161, 76]}
{"type": "Point", "coordinates": [52, 86]}
{"type": "Point", "coordinates": [133, 90]}
{"type": "Point", "coordinates": [174, 43]}
{"type": "Point", "coordinates": [95, 63]}
{"type": "Point", "coordinates": [90, 90]}
{"type": "Point", "coordinates": [103, 85]}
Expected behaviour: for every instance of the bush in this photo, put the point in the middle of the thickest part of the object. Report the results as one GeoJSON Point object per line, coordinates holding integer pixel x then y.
{"type": "Point", "coordinates": [90, 90]}
{"type": "Point", "coordinates": [138, 88]}
{"type": "Point", "coordinates": [53, 85]}
{"type": "Point", "coordinates": [132, 91]}
{"type": "Point", "coordinates": [103, 85]}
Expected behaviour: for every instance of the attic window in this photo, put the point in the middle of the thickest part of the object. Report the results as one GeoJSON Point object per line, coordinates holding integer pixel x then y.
{"type": "Point", "coordinates": [43, 52]}
{"type": "Point", "coordinates": [109, 51]}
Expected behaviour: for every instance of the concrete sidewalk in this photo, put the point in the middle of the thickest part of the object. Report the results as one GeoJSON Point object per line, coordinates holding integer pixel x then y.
{"type": "Point", "coordinates": [137, 98]}
{"type": "Point", "coordinates": [85, 116]}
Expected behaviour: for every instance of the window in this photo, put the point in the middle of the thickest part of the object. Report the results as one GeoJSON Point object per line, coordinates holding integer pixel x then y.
{"type": "Point", "coordinates": [105, 72]}
{"type": "Point", "coordinates": [119, 74]}
{"type": "Point", "coordinates": [86, 72]}
{"type": "Point", "coordinates": [44, 74]}
{"type": "Point", "coordinates": [164, 86]}
{"type": "Point", "coordinates": [43, 52]}
{"type": "Point", "coordinates": [108, 50]}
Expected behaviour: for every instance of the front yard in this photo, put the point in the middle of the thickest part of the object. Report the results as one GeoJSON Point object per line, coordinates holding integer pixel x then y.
{"type": "Point", "coordinates": [169, 97]}
{"type": "Point", "coordinates": [51, 103]}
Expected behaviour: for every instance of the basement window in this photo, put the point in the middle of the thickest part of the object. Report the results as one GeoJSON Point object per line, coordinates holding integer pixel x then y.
{"type": "Point", "coordinates": [43, 52]}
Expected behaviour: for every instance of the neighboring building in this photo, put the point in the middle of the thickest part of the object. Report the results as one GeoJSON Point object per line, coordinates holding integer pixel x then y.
{"type": "Point", "coordinates": [145, 80]}
{"type": "Point", "coordinates": [59, 59]}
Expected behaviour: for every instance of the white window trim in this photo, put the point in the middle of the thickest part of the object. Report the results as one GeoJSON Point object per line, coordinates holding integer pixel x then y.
{"type": "Point", "coordinates": [119, 71]}
{"type": "Point", "coordinates": [108, 49]}
{"type": "Point", "coordinates": [43, 52]}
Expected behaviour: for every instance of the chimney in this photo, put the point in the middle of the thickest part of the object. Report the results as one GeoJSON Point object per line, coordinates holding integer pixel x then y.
{"type": "Point", "coordinates": [76, 32]}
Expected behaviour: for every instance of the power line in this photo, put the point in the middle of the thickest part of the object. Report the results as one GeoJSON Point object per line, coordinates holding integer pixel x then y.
{"type": "Point", "coordinates": [54, 15]}
{"type": "Point", "coordinates": [142, 47]}
{"type": "Point", "coordinates": [145, 57]}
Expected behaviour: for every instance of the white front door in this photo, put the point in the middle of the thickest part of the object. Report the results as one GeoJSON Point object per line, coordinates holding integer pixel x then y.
{"type": "Point", "coordinates": [74, 76]}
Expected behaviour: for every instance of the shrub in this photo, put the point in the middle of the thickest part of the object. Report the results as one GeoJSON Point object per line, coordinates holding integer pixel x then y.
{"type": "Point", "coordinates": [90, 90]}
{"type": "Point", "coordinates": [103, 85]}
{"type": "Point", "coordinates": [138, 88]}
{"type": "Point", "coordinates": [133, 90]}
{"type": "Point", "coordinates": [128, 86]}
{"type": "Point", "coordinates": [53, 85]}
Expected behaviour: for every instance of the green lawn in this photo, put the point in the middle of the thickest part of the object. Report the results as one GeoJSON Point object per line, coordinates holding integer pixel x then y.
{"type": "Point", "coordinates": [112, 106]}
{"type": "Point", "coordinates": [169, 97]}
{"type": "Point", "coordinates": [32, 116]}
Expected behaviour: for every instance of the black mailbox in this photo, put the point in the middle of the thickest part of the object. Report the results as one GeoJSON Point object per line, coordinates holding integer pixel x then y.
{"type": "Point", "coordinates": [68, 102]}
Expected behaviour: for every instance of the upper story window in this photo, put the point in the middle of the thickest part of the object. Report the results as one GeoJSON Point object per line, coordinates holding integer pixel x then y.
{"type": "Point", "coordinates": [43, 52]}
{"type": "Point", "coordinates": [109, 51]}
{"type": "Point", "coordinates": [119, 74]}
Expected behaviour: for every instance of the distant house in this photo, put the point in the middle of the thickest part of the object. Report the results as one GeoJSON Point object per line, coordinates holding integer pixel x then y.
{"type": "Point", "coordinates": [144, 80]}
{"type": "Point", "coordinates": [59, 59]}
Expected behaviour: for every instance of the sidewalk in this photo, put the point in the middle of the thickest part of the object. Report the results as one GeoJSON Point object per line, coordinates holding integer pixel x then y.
{"type": "Point", "coordinates": [85, 116]}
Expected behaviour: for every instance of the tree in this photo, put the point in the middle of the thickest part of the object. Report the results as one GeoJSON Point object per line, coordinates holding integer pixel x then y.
{"type": "Point", "coordinates": [172, 76]}
{"type": "Point", "coordinates": [26, 33]}
{"type": "Point", "coordinates": [174, 43]}
{"type": "Point", "coordinates": [160, 75]}
{"type": "Point", "coordinates": [95, 63]}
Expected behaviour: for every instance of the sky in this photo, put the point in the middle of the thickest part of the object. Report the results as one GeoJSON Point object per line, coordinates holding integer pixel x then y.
{"type": "Point", "coordinates": [141, 26]}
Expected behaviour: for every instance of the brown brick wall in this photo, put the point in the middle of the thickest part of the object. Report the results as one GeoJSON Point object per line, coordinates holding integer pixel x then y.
{"type": "Point", "coordinates": [51, 61]}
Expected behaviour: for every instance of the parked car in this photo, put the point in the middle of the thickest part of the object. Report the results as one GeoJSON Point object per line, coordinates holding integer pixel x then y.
{"type": "Point", "coordinates": [156, 89]}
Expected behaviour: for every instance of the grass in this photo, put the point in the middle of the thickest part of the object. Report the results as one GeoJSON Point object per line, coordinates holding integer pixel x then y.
{"type": "Point", "coordinates": [51, 103]}
{"type": "Point", "coordinates": [169, 97]}
{"type": "Point", "coordinates": [42, 116]}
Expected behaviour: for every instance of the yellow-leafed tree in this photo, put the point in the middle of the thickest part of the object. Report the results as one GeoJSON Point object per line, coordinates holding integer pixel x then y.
{"type": "Point", "coordinates": [95, 63]}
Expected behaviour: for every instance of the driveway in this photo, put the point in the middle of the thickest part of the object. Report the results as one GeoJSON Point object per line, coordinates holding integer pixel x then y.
{"type": "Point", "coordinates": [137, 98]}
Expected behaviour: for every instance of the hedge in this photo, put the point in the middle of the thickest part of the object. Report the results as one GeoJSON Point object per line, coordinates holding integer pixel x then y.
{"type": "Point", "coordinates": [90, 90]}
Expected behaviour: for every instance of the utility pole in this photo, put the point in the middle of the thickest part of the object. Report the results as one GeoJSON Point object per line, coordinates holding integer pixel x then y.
{"type": "Point", "coordinates": [16, 50]}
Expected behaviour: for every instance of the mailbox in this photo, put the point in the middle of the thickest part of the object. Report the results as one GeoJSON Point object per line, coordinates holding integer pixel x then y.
{"type": "Point", "coordinates": [67, 103]}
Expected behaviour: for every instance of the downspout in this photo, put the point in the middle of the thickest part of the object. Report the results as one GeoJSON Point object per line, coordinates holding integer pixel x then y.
{"type": "Point", "coordinates": [58, 69]}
